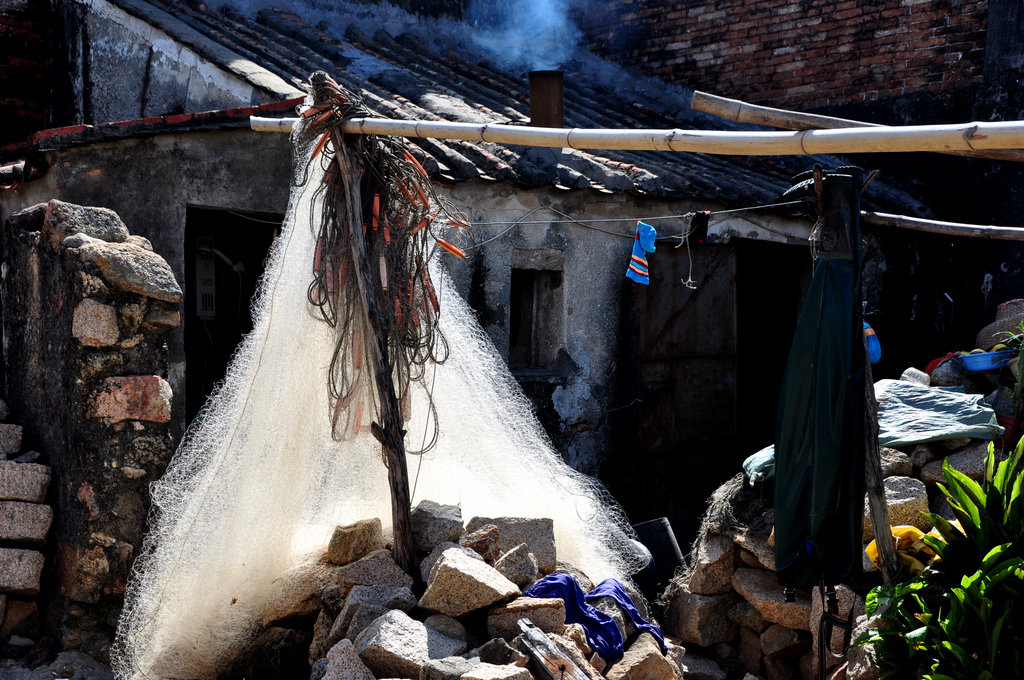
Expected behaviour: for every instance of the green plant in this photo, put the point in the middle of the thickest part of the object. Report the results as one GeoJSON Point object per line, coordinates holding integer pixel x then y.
{"type": "Point", "coordinates": [963, 617]}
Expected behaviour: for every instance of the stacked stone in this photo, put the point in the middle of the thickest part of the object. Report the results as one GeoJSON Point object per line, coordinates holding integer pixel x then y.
{"type": "Point", "coordinates": [460, 620]}
{"type": "Point", "coordinates": [85, 328]}
{"type": "Point", "coordinates": [731, 605]}
{"type": "Point", "coordinates": [25, 520]}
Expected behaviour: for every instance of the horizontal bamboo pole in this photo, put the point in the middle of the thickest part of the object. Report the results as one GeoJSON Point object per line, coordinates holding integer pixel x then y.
{"type": "Point", "coordinates": [948, 228]}
{"type": "Point", "coordinates": [742, 112]}
{"type": "Point", "coordinates": [961, 136]}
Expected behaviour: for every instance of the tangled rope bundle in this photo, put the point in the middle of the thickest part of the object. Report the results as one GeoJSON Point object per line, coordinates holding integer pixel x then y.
{"type": "Point", "coordinates": [374, 191]}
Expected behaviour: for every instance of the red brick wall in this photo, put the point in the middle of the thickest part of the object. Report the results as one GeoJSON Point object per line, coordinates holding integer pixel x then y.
{"type": "Point", "coordinates": [22, 69]}
{"type": "Point", "coordinates": [804, 54]}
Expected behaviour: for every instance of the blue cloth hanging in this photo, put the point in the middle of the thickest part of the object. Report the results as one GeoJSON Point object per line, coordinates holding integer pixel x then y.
{"type": "Point", "coordinates": [874, 346]}
{"type": "Point", "coordinates": [602, 633]}
{"type": "Point", "coordinates": [643, 243]}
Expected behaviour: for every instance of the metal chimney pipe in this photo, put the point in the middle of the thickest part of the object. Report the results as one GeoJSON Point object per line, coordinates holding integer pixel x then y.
{"type": "Point", "coordinates": [546, 99]}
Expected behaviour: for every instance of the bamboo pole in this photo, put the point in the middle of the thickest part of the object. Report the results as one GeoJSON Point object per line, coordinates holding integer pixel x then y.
{"type": "Point", "coordinates": [961, 136]}
{"type": "Point", "coordinates": [742, 112]}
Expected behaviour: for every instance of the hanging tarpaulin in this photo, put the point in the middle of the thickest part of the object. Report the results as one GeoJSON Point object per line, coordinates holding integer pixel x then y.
{"type": "Point", "coordinates": [819, 442]}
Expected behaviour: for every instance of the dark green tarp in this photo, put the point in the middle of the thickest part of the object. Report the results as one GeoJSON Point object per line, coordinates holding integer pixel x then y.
{"type": "Point", "coordinates": [819, 442]}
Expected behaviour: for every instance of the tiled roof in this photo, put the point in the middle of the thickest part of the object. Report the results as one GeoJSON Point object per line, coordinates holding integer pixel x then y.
{"type": "Point", "coordinates": [401, 76]}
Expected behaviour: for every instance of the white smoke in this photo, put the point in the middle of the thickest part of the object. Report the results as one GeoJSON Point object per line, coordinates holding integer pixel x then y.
{"type": "Point", "coordinates": [528, 34]}
{"type": "Point", "coordinates": [519, 34]}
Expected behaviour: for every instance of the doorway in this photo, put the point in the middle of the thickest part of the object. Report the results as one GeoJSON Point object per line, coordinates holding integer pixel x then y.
{"type": "Point", "coordinates": [225, 255]}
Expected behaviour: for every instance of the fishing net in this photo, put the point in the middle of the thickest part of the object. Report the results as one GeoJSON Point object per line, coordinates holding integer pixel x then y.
{"type": "Point", "coordinates": [273, 463]}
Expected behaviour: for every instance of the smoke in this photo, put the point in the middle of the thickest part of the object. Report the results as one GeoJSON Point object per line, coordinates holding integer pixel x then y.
{"type": "Point", "coordinates": [530, 34]}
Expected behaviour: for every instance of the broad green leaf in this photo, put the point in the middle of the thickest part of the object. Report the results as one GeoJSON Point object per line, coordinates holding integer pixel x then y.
{"type": "Point", "coordinates": [974, 493]}
{"type": "Point", "coordinates": [993, 639]}
{"type": "Point", "coordinates": [880, 596]}
{"type": "Point", "coordinates": [990, 464]}
{"type": "Point", "coordinates": [1007, 469]}
{"type": "Point", "coordinates": [936, 544]}
{"type": "Point", "coordinates": [967, 521]}
{"type": "Point", "coordinates": [918, 634]}
{"type": "Point", "coordinates": [1014, 515]}
{"type": "Point", "coordinates": [993, 555]}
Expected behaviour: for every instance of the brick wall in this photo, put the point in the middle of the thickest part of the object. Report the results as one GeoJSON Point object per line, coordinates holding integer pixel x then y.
{"type": "Point", "coordinates": [804, 54]}
{"type": "Point", "coordinates": [23, 69]}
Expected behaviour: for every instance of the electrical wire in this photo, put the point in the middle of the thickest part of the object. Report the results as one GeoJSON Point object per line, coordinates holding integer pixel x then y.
{"type": "Point", "coordinates": [626, 219]}
{"type": "Point", "coordinates": [589, 223]}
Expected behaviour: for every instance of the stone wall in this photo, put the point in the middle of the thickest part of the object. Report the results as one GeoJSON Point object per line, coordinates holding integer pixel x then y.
{"type": "Point", "coordinates": [797, 53]}
{"type": "Point", "coordinates": [85, 322]}
{"type": "Point", "coordinates": [25, 520]}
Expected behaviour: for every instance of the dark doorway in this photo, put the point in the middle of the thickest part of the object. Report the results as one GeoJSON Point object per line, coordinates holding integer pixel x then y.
{"type": "Point", "coordinates": [225, 254]}
{"type": "Point", "coordinates": [771, 283]}
{"type": "Point", "coordinates": [705, 384]}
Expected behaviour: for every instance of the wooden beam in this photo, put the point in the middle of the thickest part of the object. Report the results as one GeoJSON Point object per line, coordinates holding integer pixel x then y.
{"type": "Point", "coordinates": [548, 662]}
{"type": "Point", "coordinates": [742, 112]}
{"type": "Point", "coordinates": [948, 228]}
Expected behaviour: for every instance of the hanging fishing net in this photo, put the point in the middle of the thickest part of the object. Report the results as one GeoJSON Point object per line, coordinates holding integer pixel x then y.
{"type": "Point", "coordinates": [283, 452]}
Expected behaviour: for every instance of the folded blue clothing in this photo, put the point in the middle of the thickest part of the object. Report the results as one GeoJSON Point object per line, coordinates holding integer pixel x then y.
{"type": "Point", "coordinates": [602, 633]}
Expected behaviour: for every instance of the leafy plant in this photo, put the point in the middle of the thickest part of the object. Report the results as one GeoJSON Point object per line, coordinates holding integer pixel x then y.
{"type": "Point", "coordinates": [962, 618]}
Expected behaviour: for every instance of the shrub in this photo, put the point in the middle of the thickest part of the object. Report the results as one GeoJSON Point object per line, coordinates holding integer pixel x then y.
{"type": "Point", "coordinates": [963, 616]}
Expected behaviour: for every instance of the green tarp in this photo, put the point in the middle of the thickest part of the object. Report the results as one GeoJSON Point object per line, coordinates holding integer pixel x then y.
{"type": "Point", "coordinates": [819, 442]}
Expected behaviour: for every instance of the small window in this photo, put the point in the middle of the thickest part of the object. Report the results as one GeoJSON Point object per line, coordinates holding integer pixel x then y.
{"type": "Point", "coordinates": [535, 310]}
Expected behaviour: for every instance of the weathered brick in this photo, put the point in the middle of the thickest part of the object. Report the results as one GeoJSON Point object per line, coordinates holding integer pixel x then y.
{"type": "Point", "coordinates": [20, 571]}
{"type": "Point", "coordinates": [28, 522]}
{"type": "Point", "coordinates": [132, 397]}
{"type": "Point", "coordinates": [23, 481]}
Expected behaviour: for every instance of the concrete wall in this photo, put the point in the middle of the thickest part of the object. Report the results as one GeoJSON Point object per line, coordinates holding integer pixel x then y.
{"type": "Point", "coordinates": [151, 181]}
{"type": "Point", "coordinates": [133, 61]}
{"type": "Point", "coordinates": [599, 310]}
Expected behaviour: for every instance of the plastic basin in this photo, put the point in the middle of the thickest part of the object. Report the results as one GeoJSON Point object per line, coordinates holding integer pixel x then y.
{"type": "Point", "coordinates": [987, 361]}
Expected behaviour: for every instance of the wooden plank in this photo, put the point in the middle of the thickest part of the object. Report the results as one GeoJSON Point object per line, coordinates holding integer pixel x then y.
{"type": "Point", "coordinates": [550, 663]}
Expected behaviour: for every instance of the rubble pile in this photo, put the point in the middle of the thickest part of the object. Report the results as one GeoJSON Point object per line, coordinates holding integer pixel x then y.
{"type": "Point", "coordinates": [730, 606]}
{"type": "Point", "coordinates": [360, 617]}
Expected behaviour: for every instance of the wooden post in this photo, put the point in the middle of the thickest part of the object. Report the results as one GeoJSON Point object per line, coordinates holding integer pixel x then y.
{"type": "Point", "coordinates": [889, 560]}
{"type": "Point", "coordinates": [389, 431]}
{"type": "Point", "coordinates": [548, 662]}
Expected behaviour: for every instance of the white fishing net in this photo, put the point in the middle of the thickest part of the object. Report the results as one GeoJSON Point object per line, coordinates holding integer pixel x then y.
{"type": "Point", "coordinates": [258, 484]}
